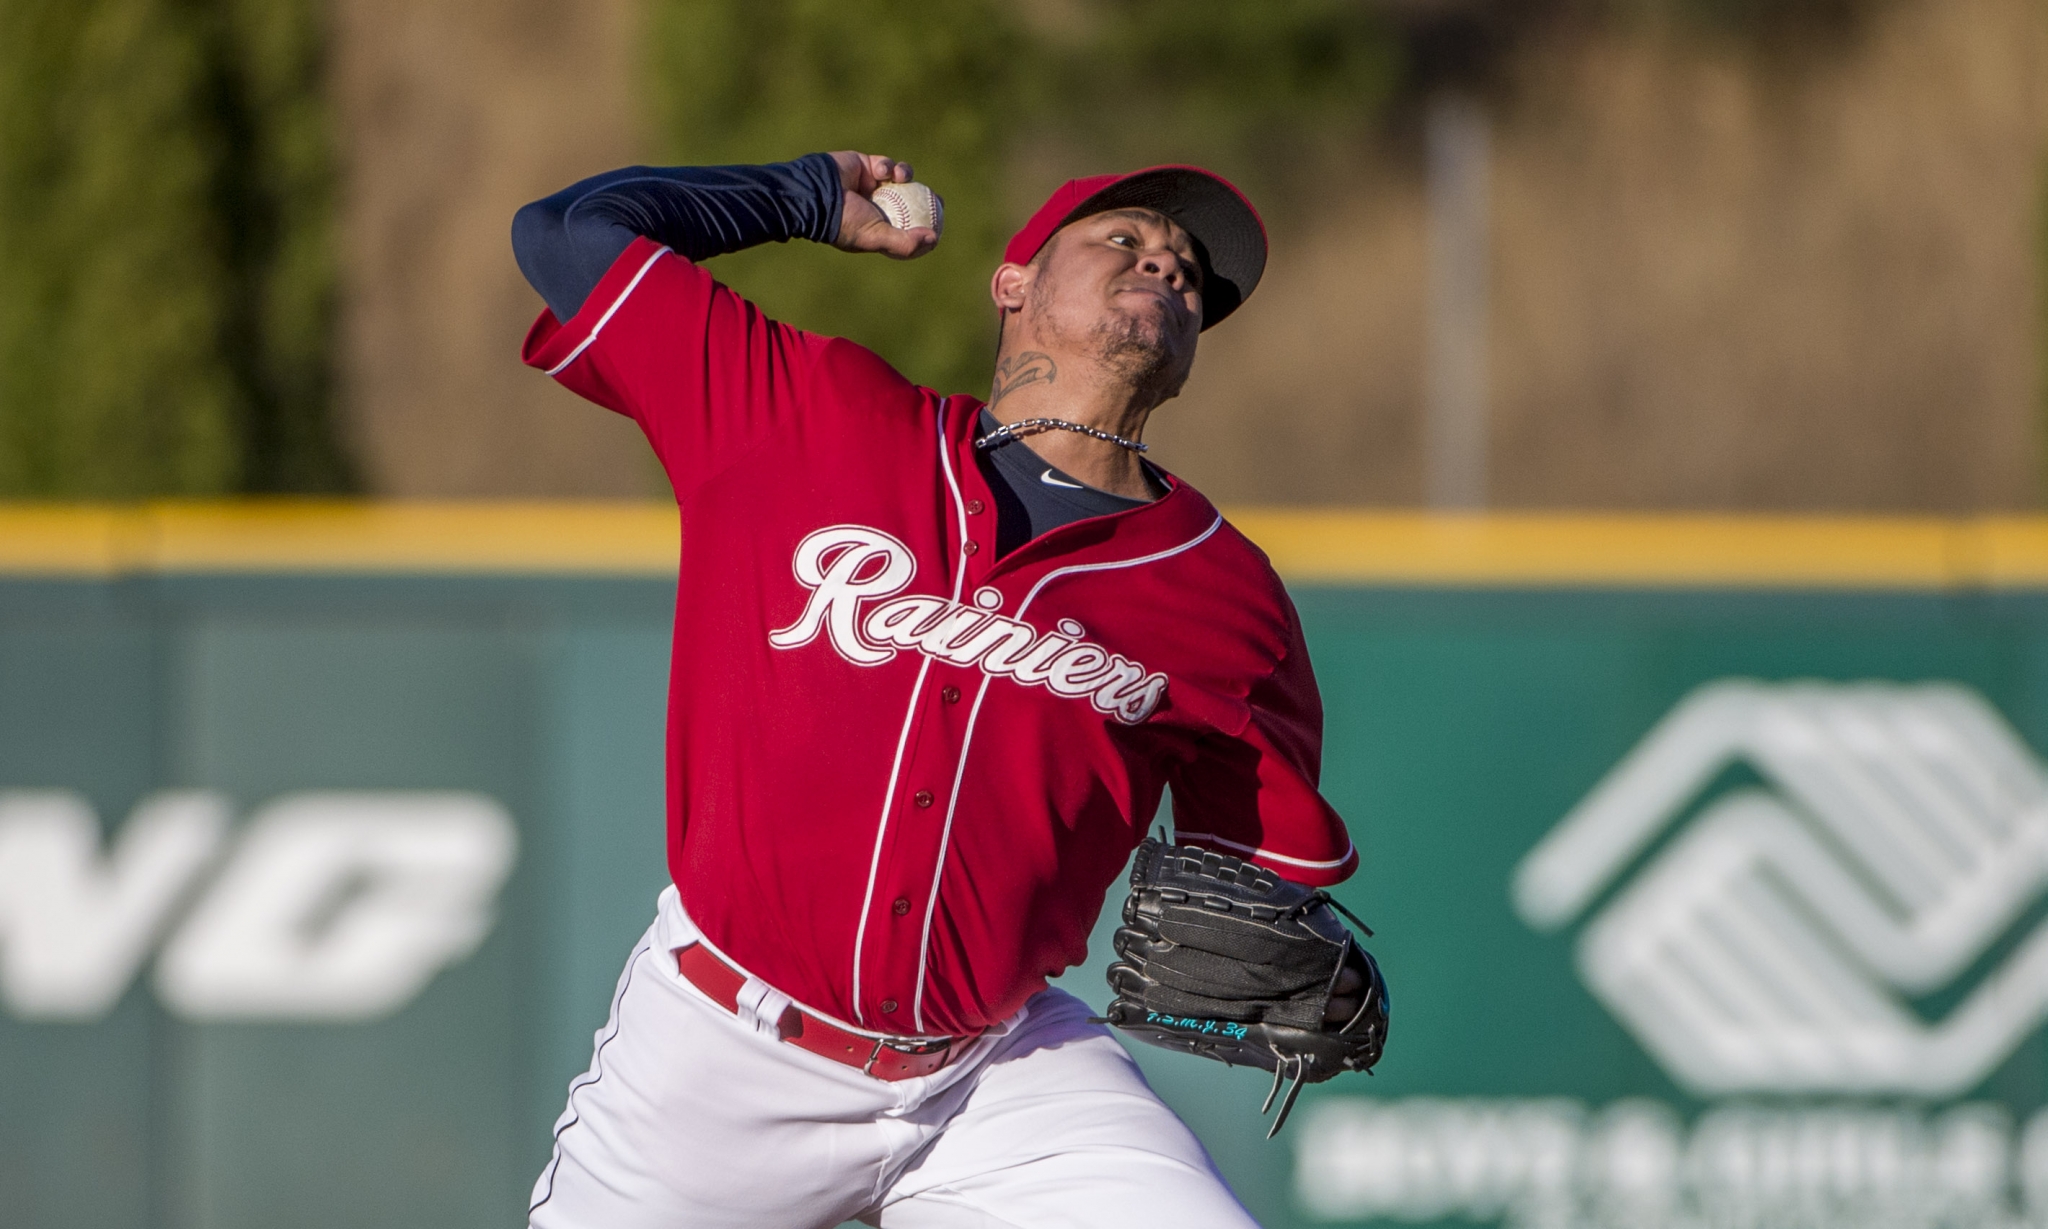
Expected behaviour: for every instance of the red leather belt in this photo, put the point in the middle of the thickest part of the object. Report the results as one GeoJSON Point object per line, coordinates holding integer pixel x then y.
{"type": "Point", "coordinates": [884, 1058]}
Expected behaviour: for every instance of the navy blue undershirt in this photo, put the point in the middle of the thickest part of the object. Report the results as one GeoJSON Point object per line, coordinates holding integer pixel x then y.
{"type": "Point", "coordinates": [1032, 497]}
{"type": "Point", "coordinates": [565, 244]}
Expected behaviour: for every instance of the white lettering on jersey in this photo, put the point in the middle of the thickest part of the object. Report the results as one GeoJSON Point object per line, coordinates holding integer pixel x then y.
{"type": "Point", "coordinates": [854, 573]}
{"type": "Point", "coordinates": [830, 563]}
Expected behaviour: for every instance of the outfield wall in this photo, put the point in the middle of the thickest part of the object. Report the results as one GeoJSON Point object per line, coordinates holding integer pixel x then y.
{"type": "Point", "coordinates": [1707, 856]}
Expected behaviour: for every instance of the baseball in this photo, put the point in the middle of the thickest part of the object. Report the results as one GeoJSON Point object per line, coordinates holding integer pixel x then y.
{"type": "Point", "coordinates": [910, 205]}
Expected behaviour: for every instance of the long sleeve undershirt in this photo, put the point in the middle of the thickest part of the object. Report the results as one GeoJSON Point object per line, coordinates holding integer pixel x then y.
{"type": "Point", "coordinates": [564, 243]}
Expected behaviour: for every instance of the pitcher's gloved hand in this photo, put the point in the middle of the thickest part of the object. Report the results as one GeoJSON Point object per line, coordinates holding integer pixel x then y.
{"type": "Point", "coordinates": [1227, 960]}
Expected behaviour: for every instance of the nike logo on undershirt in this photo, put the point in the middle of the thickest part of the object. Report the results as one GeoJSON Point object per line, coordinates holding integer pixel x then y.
{"type": "Point", "coordinates": [1049, 480]}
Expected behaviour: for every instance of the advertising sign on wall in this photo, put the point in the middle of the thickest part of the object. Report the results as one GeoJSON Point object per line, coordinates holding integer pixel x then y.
{"type": "Point", "coordinates": [1770, 957]}
{"type": "Point", "coordinates": [1709, 865]}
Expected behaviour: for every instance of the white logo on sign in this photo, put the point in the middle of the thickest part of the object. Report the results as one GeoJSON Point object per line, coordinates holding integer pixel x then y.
{"type": "Point", "coordinates": [1558, 1163]}
{"type": "Point", "coordinates": [75, 926]}
{"type": "Point", "coordinates": [1774, 942]}
{"type": "Point", "coordinates": [332, 906]}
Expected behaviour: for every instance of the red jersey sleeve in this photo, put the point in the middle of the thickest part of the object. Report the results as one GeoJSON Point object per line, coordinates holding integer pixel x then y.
{"type": "Point", "coordinates": [705, 374]}
{"type": "Point", "coordinates": [1255, 794]}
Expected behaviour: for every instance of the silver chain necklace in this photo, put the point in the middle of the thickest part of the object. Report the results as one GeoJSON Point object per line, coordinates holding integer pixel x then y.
{"type": "Point", "coordinates": [1032, 426]}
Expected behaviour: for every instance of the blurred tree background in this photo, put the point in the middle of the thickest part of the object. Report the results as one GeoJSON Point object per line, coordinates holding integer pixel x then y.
{"type": "Point", "coordinates": [166, 270]}
{"type": "Point", "coordinates": [168, 177]}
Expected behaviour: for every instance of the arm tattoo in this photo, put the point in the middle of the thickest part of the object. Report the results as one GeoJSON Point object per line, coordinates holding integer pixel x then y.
{"type": "Point", "coordinates": [1013, 373]}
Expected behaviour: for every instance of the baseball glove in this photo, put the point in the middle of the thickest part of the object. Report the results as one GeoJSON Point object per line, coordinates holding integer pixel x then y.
{"type": "Point", "coordinates": [1227, 960]}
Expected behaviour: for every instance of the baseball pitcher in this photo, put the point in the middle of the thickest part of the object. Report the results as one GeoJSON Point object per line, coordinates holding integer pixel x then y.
{"type": "Point", "coordinates": [935, 661]}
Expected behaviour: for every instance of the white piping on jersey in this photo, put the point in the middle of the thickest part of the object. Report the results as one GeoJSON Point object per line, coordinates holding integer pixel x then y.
{"type": "Point", "coordinates": [967, 738]}
{"type": "Point", "coordinates": [931, 903]}
{"type": "Point", "coordinates": [1254, 851]}
{"type": "Point", "coordinates": [605, 319]}
{"type": "Point", "coordinates": [867, 900]}
{"type": "Point", "coordinates": [1168, 553]}
{"type": "Point", "coordinates": [959, 504]}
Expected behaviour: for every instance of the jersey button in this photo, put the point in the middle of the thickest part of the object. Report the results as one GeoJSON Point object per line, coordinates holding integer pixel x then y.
{"type": "Point", "coordinates": [922, 797]}
{"type": "Point", "coordinates": [970, 546]}
{"type": "Point", "coordinates": [902, 906]}
{"type": "Point", "coordinates": [950, 695]}
{"type": "Point", "coordinates": [888, 1006]}
{"type": "Point", "coordinates": [974, 507]}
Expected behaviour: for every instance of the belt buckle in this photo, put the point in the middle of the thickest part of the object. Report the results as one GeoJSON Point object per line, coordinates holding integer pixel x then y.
{"type": "Point", "coordinates": [914, 1049]}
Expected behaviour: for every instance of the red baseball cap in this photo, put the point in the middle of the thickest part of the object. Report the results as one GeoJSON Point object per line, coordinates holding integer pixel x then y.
{"type": "Point", "coordinates": [1230, 239]}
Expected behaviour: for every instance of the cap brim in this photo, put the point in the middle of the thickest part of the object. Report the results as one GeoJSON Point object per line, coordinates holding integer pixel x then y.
{"type": "Point", "coordinates": [1230, 238]}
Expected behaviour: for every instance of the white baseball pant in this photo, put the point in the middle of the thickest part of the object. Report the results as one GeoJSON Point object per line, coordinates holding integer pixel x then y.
{"type": "Point", "coordinates": [692, 1118]}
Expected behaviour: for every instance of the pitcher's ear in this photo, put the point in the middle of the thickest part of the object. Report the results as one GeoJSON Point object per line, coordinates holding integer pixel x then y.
{"type": "Point", "coordinates": [1010, 285]}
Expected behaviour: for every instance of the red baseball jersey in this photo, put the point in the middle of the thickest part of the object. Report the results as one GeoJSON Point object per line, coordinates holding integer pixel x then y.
{"type": "Point", "coordinates": [902, 772]}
